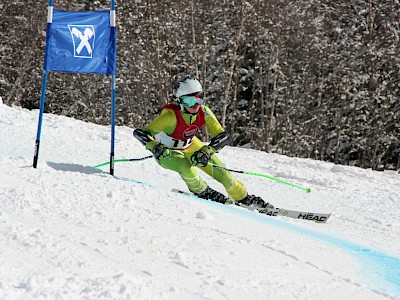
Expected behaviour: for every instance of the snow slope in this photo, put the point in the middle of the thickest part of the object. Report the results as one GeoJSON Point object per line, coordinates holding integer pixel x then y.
{"type": "Point", "coordinates": [69, 231]}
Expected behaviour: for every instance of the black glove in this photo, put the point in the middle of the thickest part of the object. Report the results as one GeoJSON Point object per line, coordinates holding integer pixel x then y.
{"type": "Point", "coordinates": [202, 156]}
{"type": "Point", "coordinates": [161, 151]}
{"type": "Point", "coordinates": [143, 136]}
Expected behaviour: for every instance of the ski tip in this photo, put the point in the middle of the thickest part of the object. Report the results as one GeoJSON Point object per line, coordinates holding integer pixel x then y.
{"type": "Point", "coordinates": [308, 190]}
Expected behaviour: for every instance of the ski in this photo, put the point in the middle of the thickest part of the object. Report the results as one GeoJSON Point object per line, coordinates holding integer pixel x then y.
{"type": "Point", "coordinates": [274, 212]}
{"type": "Point", "coordinates": [294, 214]}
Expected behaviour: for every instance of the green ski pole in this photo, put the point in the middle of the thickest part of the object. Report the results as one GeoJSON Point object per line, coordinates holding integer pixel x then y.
{"type": "Point", "coordinates": [123, 160]}
{"type": "Point", "coordinates": [308, 190]}
{"type": "Point", "coordinates": [173, 153]}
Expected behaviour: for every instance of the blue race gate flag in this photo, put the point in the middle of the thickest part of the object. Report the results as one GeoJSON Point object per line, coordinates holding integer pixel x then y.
{"type": "Point", "coordinates": [81, 42]}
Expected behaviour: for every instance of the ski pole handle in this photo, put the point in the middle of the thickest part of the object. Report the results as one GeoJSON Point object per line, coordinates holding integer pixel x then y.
{"type": "Point", "coordinates": [308, 190]}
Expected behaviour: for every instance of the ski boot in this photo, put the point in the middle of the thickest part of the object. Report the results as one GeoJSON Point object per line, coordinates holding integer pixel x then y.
{"type": "Point", "coordinates": [255, 201]}
{"type": "Point", "coordinates": [212, 195]}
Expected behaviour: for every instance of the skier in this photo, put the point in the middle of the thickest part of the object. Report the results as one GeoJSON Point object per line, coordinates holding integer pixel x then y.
{"type": "Point", "coordinates": [172, 139]}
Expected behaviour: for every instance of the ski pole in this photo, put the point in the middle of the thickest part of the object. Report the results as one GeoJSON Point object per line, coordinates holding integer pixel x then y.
{"type": "Point", "coordinates": [123, 160]}
{"type": "Point", "coordinates": [308, 190]}
{"type": "Point", "coordinates": [173, 153]}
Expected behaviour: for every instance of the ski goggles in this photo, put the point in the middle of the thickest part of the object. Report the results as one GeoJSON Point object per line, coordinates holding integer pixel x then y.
{"type": "Point", "coordinates": [192, 100]}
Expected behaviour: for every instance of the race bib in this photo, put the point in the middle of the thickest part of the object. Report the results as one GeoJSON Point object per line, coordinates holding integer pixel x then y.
{"type": "Point", "coordinates": [172, 143]}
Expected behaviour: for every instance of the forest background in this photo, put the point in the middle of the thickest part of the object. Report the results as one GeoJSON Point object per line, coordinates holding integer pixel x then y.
{"type": "Point", "coordinates": [316, 79]}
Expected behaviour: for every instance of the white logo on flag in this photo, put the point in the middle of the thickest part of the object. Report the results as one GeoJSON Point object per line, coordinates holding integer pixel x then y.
{"type": "Point", "coordinates": [83, 40]}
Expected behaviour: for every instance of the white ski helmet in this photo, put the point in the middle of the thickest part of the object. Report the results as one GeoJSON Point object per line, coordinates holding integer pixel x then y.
{"type": "Point", "coordinates": [186, 86]}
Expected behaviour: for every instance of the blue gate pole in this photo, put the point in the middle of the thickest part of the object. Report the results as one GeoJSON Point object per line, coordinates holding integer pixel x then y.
{"type": "Point", "coordinates": [39, 129]}
{"type": "Point", "coordinates": [44, 84]}
{"type": "Point", "coordinates": [113, 90]}
{"type": "Point", "coordinates": [113, 108]}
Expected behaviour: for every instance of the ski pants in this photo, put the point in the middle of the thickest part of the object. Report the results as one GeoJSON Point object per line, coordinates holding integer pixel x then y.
{"type": "Point", "coordinates": [182, 164]}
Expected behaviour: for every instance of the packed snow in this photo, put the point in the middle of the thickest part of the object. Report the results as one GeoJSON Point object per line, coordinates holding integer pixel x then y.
{"type": "Point", "coordinates": [71, 231]}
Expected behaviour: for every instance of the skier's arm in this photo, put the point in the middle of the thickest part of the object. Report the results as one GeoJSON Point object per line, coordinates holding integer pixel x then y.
{"type": "Point", "coordinates": [166, 122]}
{"type": "Point", "coordinates": [219, 140]}
{"type": "Point", "coordinates": [211, 122]}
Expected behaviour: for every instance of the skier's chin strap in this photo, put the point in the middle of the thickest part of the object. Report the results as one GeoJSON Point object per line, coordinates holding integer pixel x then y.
{"type": "Point", "coordinates": [189, 113]}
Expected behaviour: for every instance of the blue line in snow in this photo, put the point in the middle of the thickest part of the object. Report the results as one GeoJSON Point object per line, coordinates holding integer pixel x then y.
{"type": "Point", "coordinates": [382, 270]}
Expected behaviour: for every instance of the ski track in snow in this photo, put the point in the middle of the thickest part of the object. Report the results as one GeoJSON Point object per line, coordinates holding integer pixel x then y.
{"type": "Point", "coordinates": [69, 231]}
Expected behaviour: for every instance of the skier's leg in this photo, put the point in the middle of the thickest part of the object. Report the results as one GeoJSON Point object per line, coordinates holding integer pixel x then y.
{"type": "Point", "coordinates": [180, 164]}
{"type": "Point", "coordinates": [192, 179]}
{"type": "Point", "coordinates": [235, 188]}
